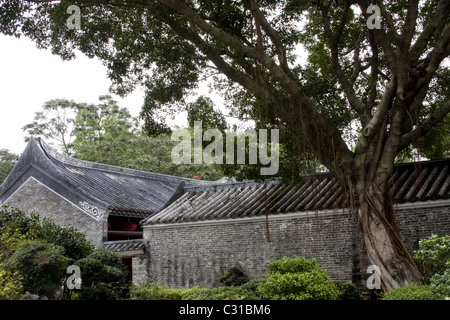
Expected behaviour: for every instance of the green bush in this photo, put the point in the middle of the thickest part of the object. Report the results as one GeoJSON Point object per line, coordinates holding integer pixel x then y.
{"type": "Point", "coordinates": [219, 293]}
{"type": "Point", "coordinates": [233, 277]}
{"type": "Point", "coordinates": [103, 276]}
{"type": "Point", "coordinates": [250, 290]}
{"type": "Point", "coordinates": [289, 278]}
{"type": "Point", "coordinates": [153, 291]}
{"type": "Point", "coordinates": [410, 292]}
{"type": "Point", "coordinates": [32, 227]}
{"type": "Point", "coordinates": [297, 279]}
{"type": "Point", "coordinates": [432, 256]}
{"type": "Point", "coordinates": [10, 284]}
{"type": "Point", "coordinates": [293, 265]}
{"type": "Point", "coordinates": [42, 266]}
{"type": "Point", "coordinates": [440, 284]}
{"type": "Point", "coordinates": [348, 291]}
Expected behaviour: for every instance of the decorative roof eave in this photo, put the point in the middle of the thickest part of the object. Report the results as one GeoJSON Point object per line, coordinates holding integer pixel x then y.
{"type": "Point", "coordinates": [118, 212]}
{"type": "Point", "coordinates": [125, 247]}
{"type": "Point", "coordinates": [414, 182]}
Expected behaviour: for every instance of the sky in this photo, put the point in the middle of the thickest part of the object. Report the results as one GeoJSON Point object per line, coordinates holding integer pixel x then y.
{"type": "Point", "coordinates": [29, 77]}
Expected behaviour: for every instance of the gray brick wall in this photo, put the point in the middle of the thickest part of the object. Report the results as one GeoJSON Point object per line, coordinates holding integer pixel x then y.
{"type": "Point", "coordinates": [189, 254]}
{"type": "Point", "coordinates": [35, 197]}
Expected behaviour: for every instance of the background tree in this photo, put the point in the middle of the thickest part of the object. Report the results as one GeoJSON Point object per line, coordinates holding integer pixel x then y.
{"type": "Point", "coordinates": [383, 80]}
{"type": "Point", "coordinates": [7, 161]}
{"type": "Point", "coordinates": [55, 124]}
{"type": "Point", "coordinates": [107, 133]}
{"type": "Point", "coordinates": [101, 132]}
{"type": "Point", "coordinates": [203, 110]}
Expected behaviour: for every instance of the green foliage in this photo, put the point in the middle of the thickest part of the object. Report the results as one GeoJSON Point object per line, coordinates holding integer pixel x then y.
{"type": "Point", "coordinates": [202, 109]}
{"type": "Point", "coordinates": [74, 243]}
{"type": "Point", "coordinates": [233, 277]}
{"type": "Point", "coordinates": [410, 292]}
{"type": "Point", "coordinates": [41, 264]}
{"type": "Point", "coordinates": [292, 265]}
{"type": "Point", "coordinates": [101, 132]}
{"type": "Point", "coordinates": [440, 284]}
{"type": "Point", "coordinates": [153, 291]}
{"type": "Point", "coordinates": [433, 255]}
{"type": "Point", "coordinates": [310, 285]}
{"type": "Point", "coordinates": [7, 162]}
{"type": "Point", "coordinates": [11, 287]}
{"type": "Point", "coordinates": [103, 276]}
{"type": "Point", "coordinates": [48, 247]}
{"type": "Point", "coordinates": [289, 278]}
{"type": "Point", "coordinates": [219, 293]}
{"type": "Point", "coordinates": [54, 123]}
{"type": "Point", "coordinates": [297, 279]}
{"type": "Point", "coordinates": [30, 226]}
{"type": "Point", "coordinates": [11, 281]}
{"type": "Point", "coordinates": [433, 260]}
{"type": "Point", "coordinates": [348, 291]}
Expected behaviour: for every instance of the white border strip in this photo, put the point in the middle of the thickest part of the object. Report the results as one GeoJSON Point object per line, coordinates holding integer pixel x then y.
{"type": "Point", "coordinates": [284, 216]}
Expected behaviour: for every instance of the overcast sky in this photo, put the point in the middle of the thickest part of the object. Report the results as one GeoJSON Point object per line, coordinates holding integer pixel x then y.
{"type": "Point", "coordinates": [29, 77]}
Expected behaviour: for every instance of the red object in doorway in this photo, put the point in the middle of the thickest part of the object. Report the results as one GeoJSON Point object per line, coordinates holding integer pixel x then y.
{"type": "Point", "coordinates": [128, 226]}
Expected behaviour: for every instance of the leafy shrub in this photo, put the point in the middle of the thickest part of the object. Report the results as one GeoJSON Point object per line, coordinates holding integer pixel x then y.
{"type": "Point", "coordinates": [153, 291]}
{"type": "Point", "coordinates": [410, 292]}
{"type": "Point", "coordinates": [348, 291]}
{"type": "Point", "coordinates": [219, 293]}
{"type": "Point", "coordinates": [41, 264]}
{"type": "Point", "coordinates": [233, 277]}
{"type": "Point", "coordinates": [293, 265]}
{"type": "Point", "coordinates": [103, 276]}
{"type": "Point", "coordinates": [440, 284]}
{"type": "Point", "coordinates": [10, 284]}
{"type": "Point", "coordinates": [32, 227]}
{"type": "Point", "coordinates": [432, 256]}
{"type": "Point", "coordinates": [250, 290]}
{"type": "Point", "coordinates": [74, 243]}
{"type": "Point", "coordinates": [297, 279]}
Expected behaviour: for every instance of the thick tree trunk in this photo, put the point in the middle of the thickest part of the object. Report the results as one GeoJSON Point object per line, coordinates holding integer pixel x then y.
{"type": "Point", "coordinates": [384, 246]}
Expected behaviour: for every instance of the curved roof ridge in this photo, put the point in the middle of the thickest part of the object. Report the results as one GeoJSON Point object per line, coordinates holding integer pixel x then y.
{"type": "Point", "coordinates": [66, 160]}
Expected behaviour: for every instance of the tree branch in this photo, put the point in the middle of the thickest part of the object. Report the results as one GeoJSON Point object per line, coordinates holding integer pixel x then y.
{"type": "Point", "coordinates": [425, 126]}
{"type": "Point", "coordinates": [436, 22]}
{"type": "Point", "coordinates": [272, 33]}
{"type": "Point", "coordinates": [410, 23]}
{"type": "Point", "coordinates": [380, 115]}
{"type": "Point", "coordinates": [305, 105]}
{"type": "Point", "coordinates": [333, 40]}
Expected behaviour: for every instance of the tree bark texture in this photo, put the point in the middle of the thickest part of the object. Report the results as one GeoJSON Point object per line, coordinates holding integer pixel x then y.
{"type": "Point", "coordinates": [384, 246]}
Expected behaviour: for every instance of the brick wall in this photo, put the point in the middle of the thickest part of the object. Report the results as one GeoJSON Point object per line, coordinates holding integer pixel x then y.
{"type": "Point", "coordinates": [35, 197]}
{"type": "Point", "coordinates": [189, 254]}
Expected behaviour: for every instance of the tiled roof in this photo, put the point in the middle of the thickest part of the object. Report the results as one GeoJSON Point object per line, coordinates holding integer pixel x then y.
{"type": "Point", "coordinates": [123, 191]}
{"type": "Point", "coordinates": [124, 245]}
{"type": "Point", "coordinates": [412, 182]}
